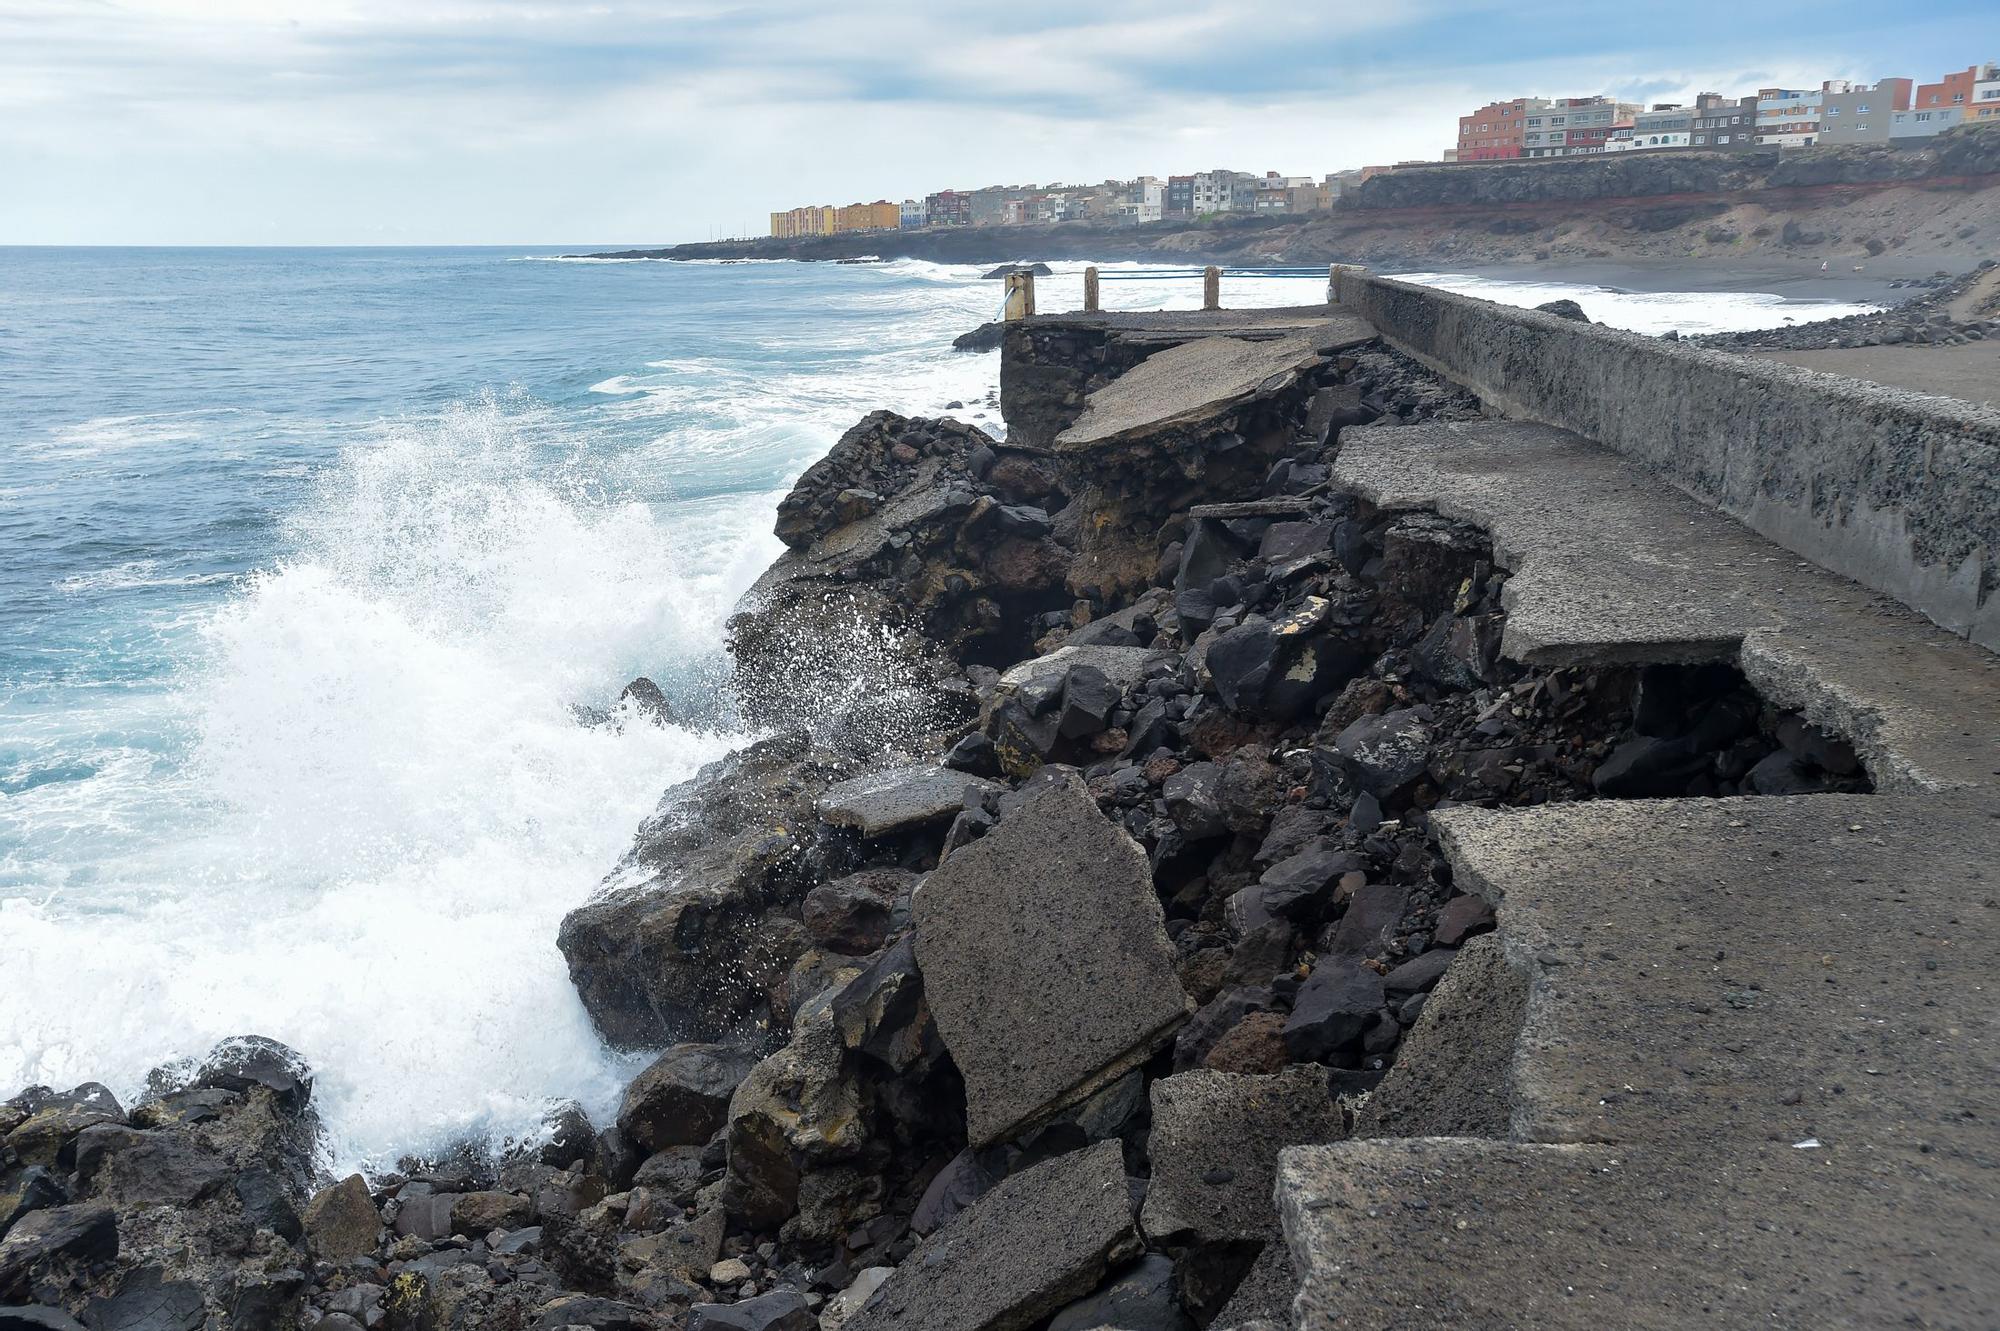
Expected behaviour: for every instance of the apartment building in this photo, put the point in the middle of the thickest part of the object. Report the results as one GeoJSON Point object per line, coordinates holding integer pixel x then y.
{"type": "Point", "coordinates": [880, 215]}
{"type": "Point", "coordinates": [1145, 200]}
{"type": "Point", "coordinates": [1958, 90]}
{"type": "Point", "coordinates": [1664, 125]}
{"type": "Point", "coordinates": [912, 215]}
{"type": "Point", "coordinates": [1789, 117]}
{"type": "Point", "coordinates": [1859, 113]}
{"type": "Point", "coordinates": [948, 207]}
{"type": "Point", "coordinates": [808, 221]}
{"type": "Point", "coordinates": [1986, 96]}
{"type": "Point", "coordinates": [1574, 126]}
{"type": "Point", "coordinates": [1496, 131]}
{"type": "Point", "coordinates": [1179, 198]}
{"type": "Point", "coordinates": [1727, 124]}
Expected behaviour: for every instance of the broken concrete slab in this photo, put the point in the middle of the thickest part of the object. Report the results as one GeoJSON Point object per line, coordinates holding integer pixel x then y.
{"type": "Point", "coordinates": [1612, 564]}
{"type": "Point", "coordinates": [1045, 959]}
{"type": "Point", "coordinates": [1186, 384]}
{"type": "Point", "coordinates": [1750, 1027]}
{"type": "Point", "coordinates": [899, 799]}
{"type": "Point", "coordinates": [1035, 1242]}
{"type": "Point", "coordinates": [1462, 1232]}
{"type": "Point", "coordinates": [1215, 1143]}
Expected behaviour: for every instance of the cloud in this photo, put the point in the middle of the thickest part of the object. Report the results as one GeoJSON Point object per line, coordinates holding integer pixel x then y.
{"type": "Point", "coordinates": [517, 120]}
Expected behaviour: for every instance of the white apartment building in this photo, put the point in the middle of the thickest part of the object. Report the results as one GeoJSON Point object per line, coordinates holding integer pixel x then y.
{"type": "Point", "coordinates": [1789, 117]}
{"type": "Point", "coordinates": [913, 214]}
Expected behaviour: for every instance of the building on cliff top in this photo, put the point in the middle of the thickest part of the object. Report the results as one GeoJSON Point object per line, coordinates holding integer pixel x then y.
{"type": "Point", "coordinates": [1496, 131]}
{"type": "Point", "coordinates": [1960, 90]}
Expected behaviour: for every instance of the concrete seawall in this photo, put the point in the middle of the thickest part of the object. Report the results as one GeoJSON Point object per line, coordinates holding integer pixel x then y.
{"type": "Point", "coordinates": [1897, 490]}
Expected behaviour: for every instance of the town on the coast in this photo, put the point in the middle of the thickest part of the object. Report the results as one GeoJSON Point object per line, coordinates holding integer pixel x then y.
{"type": "Point", "coordinates": [1838, 112]}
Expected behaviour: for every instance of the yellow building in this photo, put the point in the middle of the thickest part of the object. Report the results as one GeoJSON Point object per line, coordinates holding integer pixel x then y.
{"type": "Point", "coordinates": [880, 215]}
{"type": "Point", "coordinates": [808, 221]}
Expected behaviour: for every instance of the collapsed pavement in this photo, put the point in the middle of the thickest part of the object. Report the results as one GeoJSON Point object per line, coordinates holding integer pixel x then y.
{"type": "Point", "coordinates": [1261, 846]}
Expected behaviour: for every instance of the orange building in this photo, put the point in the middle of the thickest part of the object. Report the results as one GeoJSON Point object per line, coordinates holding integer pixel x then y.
{"type": "Point", "coordinates": [880, 215]}
{"type": "Point", "coordinates": [1954, 89]}
{"type": "Point", "coordinates": [1497, 130]}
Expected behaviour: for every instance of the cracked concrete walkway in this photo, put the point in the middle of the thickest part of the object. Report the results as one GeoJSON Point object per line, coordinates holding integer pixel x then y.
{"type": "Point", "coordinates": [1748, 1071]}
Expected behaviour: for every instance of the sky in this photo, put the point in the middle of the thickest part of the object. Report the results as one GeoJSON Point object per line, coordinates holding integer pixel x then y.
{"type": "Point", "coordinates": [303, 122]}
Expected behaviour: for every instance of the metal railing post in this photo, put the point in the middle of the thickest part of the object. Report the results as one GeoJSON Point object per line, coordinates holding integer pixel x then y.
{"type": "Point", "coordinates": [1020, 297]}
{"type": "Point", "coordinates": [1211, 288]}
{"type": "Point", "coordinates": [1090, 302]}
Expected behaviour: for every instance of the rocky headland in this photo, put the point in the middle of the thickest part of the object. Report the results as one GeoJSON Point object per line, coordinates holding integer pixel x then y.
{"type": "Point", "coordinates": [1091, 860]}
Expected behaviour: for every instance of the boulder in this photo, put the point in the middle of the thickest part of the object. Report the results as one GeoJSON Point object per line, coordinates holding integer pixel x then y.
{"type": "Point", "coordinates": [678, 946]}
{"type": "Point", "coordinates": [146, 1300]}
{"type": "Point", "coordinates": [1334, 1006]}
{"type": "Point", "coordinates": [1035, 1242]}
{"type": "Point", "coordinates": [341, 1221]}
{"type": "Point", "coordinates": [477, 1214]}
{"type": "Point", "coordinates": [901, 799]}
{"type": "Point", "coordinates": [882, 1015]}
{"type": "Point", "coordinates": [853, 915]}
{"type": "Point", "coordinates": [34, 1317]}
{"type": "Point", "coordinates": [1386, 754]}
{"type": "Point", "coordinates": [253, 1062]}
{"type": "Point", "coordinates": [1141, 1299]}
{"type": "Point", "coordinates": [1045, 959]}
{"type": "Point", "coordinates": [780, 1310]}
{"type": "Point", "coordinates": [683, 1097]}
{"type": "Point", "coordinates": [800, 1105]}
{"type": "Point", "coordinates": [597, 1314]}
{"type": "Point", "coordinates": [43, 1243]}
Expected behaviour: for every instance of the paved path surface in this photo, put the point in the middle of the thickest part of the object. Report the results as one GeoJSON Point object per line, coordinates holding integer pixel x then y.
{"type": "Point", "coordinates": [1970, 372]}
{"type": "Point", "coordinates": [1757, 1070]}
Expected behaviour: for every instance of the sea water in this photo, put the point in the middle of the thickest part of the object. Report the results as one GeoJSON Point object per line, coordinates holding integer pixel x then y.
{"type": "Point", "coordinates": [317, 571]}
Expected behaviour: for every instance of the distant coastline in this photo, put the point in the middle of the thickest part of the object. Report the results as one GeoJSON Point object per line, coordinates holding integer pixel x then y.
{"type": "Point", "coordinates": [1887, 213]}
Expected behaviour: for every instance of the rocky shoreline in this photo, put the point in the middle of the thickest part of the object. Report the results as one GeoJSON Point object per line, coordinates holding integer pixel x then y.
{"type": "Point", "coordinates": [1950, 312]}
{"type": "Point", "coordinates": [1089, 863]}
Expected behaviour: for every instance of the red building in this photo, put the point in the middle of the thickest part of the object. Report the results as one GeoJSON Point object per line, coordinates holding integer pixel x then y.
{"type": "Point", "coordinates": [1952, 90]}
{"type": "Point", "coordinates": [1495, 131]}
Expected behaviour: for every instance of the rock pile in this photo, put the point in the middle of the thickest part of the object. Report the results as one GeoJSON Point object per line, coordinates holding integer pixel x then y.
{"type": "Point", "coordinates": [1925, 321]}
{"type": "Point", "coordinates": [987, 990]}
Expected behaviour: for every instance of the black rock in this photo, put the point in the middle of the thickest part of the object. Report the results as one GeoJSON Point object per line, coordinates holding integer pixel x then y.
{"type": "Point", "coordinates": [267, 1204]}
{"type": "Point", "coordinates": [598, 1314]}
{"type": "Point", "coordinates": [34, 1317]}
{"type": "Point", "coordinates": [780, 1310]}
{"type": "Point", "coordinates": [1334, 1006]}
{"type": "Point", "coordinates": [247, 1062]}
{"type": "Point", "coordinates": [973, 754]}
{"type": "Point", "coordinates": [683, 1097]}
{"type": "Point", "coordinates": [1644, 768]}
{"type": "Point", "coordinates": [1565, 309]}
{"type": "Point", "coordinates": [1088, 699]}
{"type": "Point", "coordinates": [1194, 800]}
{"type": "Point", "coordinates": [1386, 754]}
{"type": "Point", "coordinates": [647, 700]}
{"type": "Point", "coordinates": [882, 1014]}
{"type": "Point", "coordinates": [147, 1301]}
{"type": "Point", "coordinates": [1300, 887]}
{"type": "Point", "coordinates": [57, 1235]}
{"type": "Point", "coordinates": [1141, 1299]}
{"type": "Point", "coordinates": [1782, 773]}
{"type": "Point", "coordinates": [1418, 973]}
{"type": "Point", "coordinates": [853, 915]}
{"type": "Point", "coordinates": [962, 1181]}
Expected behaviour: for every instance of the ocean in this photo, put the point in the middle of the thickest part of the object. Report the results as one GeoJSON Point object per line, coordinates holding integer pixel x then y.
{"type": "Point", "coordinates": [316, 567]}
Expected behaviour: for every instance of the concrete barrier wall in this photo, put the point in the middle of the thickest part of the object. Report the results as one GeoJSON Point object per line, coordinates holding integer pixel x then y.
{"type": "Point", "coordinates": [1897, 490]}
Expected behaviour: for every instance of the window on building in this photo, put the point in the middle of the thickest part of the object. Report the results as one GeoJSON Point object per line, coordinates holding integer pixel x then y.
{"type": "Point", "coordinates": [1923, 115]}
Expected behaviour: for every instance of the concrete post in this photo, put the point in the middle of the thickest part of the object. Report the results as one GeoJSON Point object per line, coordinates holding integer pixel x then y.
{"type": "Point", "coordinates": [1336, 272]}
{"type": "Point", "coordinates": [1211, 288]}
{"type": "Point", "coordinates": [1090, 305]}
{"type": "Point", "coordinates": [1020, 296]}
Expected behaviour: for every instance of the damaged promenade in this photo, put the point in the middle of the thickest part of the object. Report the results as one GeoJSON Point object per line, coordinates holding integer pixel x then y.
{"type": "Point", "coordinates": [1394, 813]}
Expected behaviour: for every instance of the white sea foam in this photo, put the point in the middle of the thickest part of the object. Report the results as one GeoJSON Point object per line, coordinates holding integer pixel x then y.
{"type": "Point", "coordinates": [1687, 312]}
{"type": "Point", "coordinates": [389, 803]}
